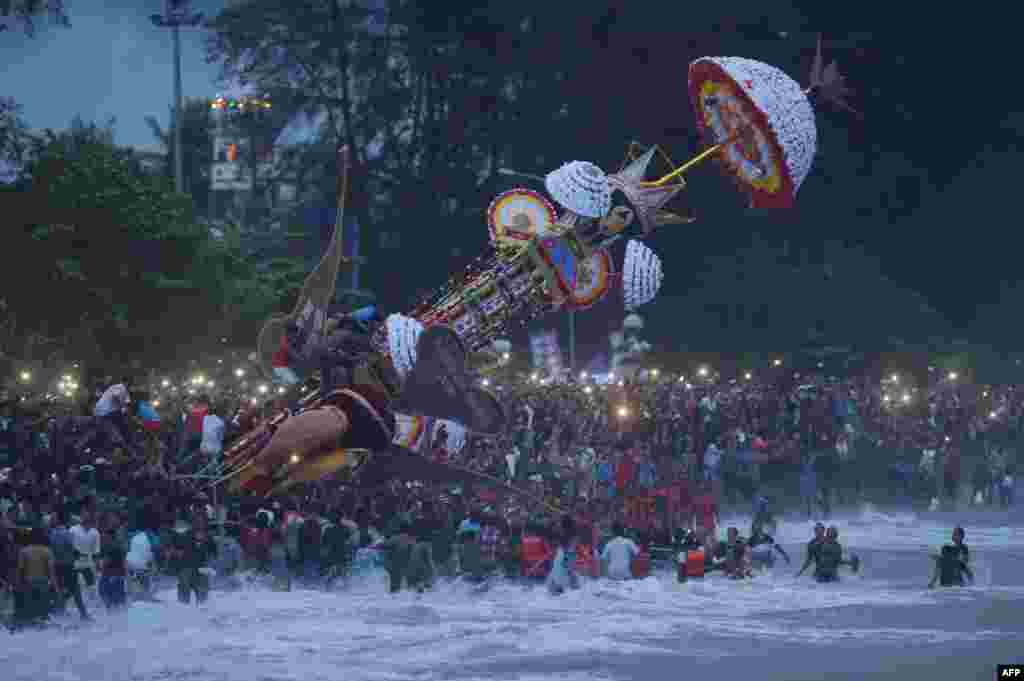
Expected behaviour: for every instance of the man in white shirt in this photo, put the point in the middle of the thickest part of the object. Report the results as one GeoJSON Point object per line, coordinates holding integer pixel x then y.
{"type": "Point", "coordinates": [140, 552]}
{"type": "Point", "coordinates": [618, 554]}
{"type": "Point", "coordinates": [64, 555]}
{"type": "Point", "coordinates": [140, 562]}
{"type": "Point", "coordinates": [86, 540]}
{"type": "Point", "coordinates": [212, 442]}
{"type": "Point", "coordinates": [114, 400]}
{"type": "Point", "coordinates": [110, 410]}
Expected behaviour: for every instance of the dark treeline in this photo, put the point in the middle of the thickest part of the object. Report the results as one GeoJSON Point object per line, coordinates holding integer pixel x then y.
{"type": "Point", "coordinates": [435, 98]}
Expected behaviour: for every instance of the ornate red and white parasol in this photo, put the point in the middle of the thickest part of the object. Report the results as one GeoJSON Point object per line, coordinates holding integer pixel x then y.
{"type": "Point", "coordinates": [762, 122]}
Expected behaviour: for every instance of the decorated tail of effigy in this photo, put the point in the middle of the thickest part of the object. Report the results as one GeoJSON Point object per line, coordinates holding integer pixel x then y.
{"type": "Point", "coordinates": [545, 258]}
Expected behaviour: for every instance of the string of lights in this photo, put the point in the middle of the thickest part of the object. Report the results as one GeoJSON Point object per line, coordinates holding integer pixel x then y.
{"type": "Point", "coordinates": [240, 104]}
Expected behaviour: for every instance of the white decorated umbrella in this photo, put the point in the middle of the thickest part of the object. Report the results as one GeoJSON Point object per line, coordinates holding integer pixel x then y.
{"type": "Point", "coordinates": [641, 275]}
{"type": "Point", "coordinates": [761, 123]}
{"type": "Point", "coordinates": [580, 187]}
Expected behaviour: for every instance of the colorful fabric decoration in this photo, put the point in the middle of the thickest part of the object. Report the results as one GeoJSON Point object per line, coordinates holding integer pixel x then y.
{"type": "Point", "coordinates": [410, 431]}
{"type": "Point", "coordinates": [417, 433]}
{"type": "Point", "coordinates": [641, 275]}
{"type": "Point", "coordinates": [764, 119]}
{"type": "Point", "coordinates": [516, 216]}
{"type": "Point", "coordinates": [555, 258]}
{"type": "Point", "coordinates": [580, 187]}
{"type": "Point", "coordinates": [150, 417]}
{"type": "Point", "coordinates": [364, 314]}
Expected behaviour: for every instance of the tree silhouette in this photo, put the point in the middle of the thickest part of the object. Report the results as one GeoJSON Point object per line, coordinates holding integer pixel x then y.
{"type": "Point", "coordinates": [103, 251]}
{"type": "Point", "coordinates": [196, 148]}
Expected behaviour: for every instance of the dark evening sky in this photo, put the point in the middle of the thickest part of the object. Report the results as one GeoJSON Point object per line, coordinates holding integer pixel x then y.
{"type": "Point", "coordinates": [929, 173]}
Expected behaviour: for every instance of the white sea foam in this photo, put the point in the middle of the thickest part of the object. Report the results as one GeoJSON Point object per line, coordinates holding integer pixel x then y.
{"type": "Point", "coordinates": [514, 632]}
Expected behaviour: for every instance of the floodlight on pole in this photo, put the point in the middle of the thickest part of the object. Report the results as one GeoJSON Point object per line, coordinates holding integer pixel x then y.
{"type": "Point", "coordinates": [176, 14]}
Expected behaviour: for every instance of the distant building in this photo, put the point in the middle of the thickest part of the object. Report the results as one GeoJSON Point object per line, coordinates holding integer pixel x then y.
{"type": "Point", "coordinates": [246, 168]}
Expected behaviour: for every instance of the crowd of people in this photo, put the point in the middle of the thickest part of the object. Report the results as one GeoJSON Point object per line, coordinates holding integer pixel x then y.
{"type": "Point", "coordinates": [596, 478]}
{"type": "Point", "coordinates": [815, 439]}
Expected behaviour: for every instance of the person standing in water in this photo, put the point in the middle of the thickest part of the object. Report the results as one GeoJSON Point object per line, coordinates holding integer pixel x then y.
{"type": "Point", "coordinates": [563, 568]}
{"type": "Point", "coordinates": [35, 580]}
{"type": "Point", "coordinates": [763, 517]}
{"type": "Point", "coordinates": [951, 564]}
{"type": "Point", "coordinates": [813, 547]}
{"type": "Point", "coordinates": [618, 554]}
{"type": "Point", "coordinates": [705, 511]}
{"type": "Point", "coordinates": [733, 557]}
{"type": "Point", "coordinates": [830, 556]}
{"type": "Point", "coordinates": [64, 554]}
{"type": "Point", "coordinates": [397, 554]}
{"type": "Point", "coordinates": [762, 545]}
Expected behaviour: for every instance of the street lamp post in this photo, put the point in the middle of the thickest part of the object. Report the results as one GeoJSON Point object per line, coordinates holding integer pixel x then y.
{"type": "Point", "coordinates": [176, 14]}
{"type": "Point", "coordinates": [572, 341]}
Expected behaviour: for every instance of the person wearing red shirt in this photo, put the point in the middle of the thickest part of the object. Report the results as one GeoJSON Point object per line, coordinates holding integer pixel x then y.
{"type": "Point", "coordinates": [624, 472]}
{"type": "Point", "coordinates": [706, 511]}
{"type": "Point", "coordinates": [256, 538]}
{"type": "Point", "coordinates": [678, 502]}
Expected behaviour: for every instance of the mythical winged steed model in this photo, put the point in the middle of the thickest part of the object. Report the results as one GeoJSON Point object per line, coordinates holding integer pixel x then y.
{"type": "Point", "coordinates": [397, 382]}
